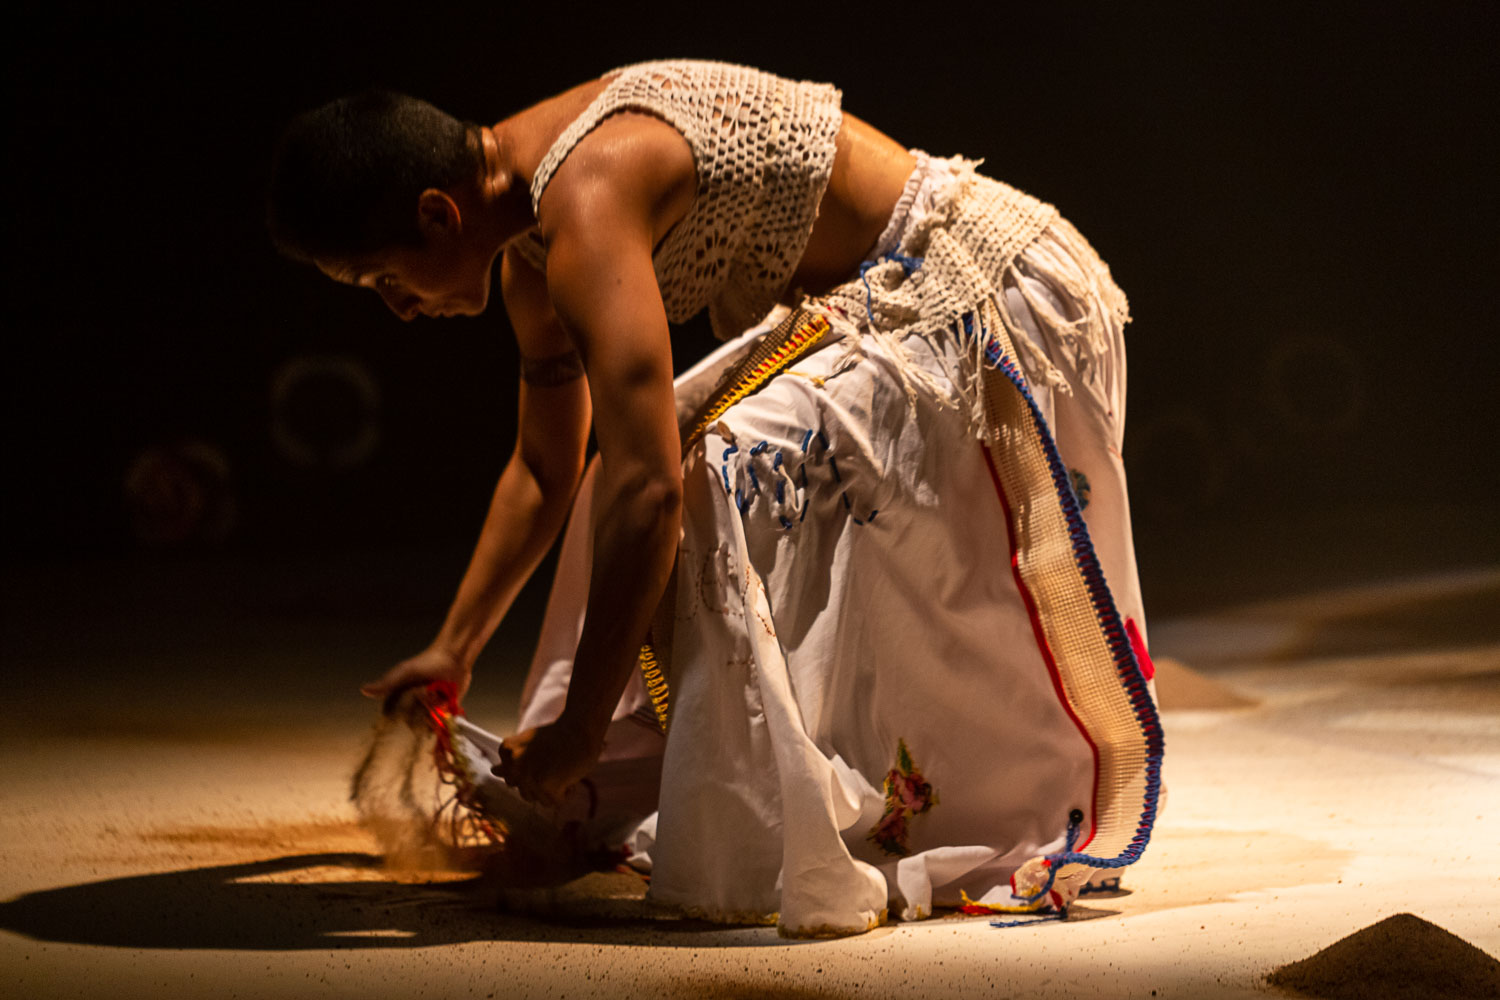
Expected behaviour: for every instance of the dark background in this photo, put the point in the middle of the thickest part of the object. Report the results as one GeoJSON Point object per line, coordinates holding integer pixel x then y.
{"type": "Point", "coordinates": [1299, 200]}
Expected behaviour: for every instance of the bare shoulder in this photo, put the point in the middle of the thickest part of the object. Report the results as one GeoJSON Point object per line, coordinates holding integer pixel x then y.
{"type": "Point", "coordinates": [632, 167]}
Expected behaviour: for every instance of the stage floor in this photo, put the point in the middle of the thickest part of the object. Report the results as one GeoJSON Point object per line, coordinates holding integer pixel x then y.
{"type": "Point", "coordinates": [176, 822]}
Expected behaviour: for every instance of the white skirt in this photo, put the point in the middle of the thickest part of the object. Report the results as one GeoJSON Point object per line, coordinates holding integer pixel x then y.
{"type": "Point", "coordinates": [862, 720]}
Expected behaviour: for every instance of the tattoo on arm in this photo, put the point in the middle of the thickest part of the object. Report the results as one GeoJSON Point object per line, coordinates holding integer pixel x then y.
{"type": "Point", "coordinates": [554, 371]}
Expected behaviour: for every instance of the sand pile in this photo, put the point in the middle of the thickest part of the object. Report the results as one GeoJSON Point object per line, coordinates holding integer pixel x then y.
{"type": "Point", "coordinates": [1400, 958]}
{"type": "Point", "coordinates": [1179, 686]}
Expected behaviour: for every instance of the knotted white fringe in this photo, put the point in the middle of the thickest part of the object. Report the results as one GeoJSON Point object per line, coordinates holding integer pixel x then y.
{"type": "Point", "coordinates": [885, 306]}
{"type": "Point", "coordinates": [1062, 259]}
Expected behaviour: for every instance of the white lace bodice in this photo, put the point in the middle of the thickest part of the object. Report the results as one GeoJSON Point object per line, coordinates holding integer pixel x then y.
{"type": "Point", "coordinates": [764, 150]}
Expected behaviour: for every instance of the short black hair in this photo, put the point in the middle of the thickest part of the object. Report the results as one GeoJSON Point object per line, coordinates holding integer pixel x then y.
{"type": "Point", "coordinates": [345, 177]}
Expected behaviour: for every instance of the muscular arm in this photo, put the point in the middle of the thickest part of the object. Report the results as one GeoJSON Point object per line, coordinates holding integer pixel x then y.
{"type": "Point", "coordinates": [531, 499]}
{"type": "Point", "coordinates": [601, 224]}
{"type": "Point", "coordinates": [604, 289]}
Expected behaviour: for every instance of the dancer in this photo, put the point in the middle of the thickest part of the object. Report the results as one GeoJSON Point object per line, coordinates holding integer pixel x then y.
{"type": "Point", "coordinates": [867, 540]}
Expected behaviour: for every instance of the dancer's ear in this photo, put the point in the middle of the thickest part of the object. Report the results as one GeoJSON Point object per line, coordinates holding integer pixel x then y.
{"type": "Point", "coordinates": [438, 214]}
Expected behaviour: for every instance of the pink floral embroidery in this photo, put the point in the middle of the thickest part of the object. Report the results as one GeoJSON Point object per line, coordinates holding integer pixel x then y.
{"type": "Point", "coordinates": [907, 794]}
{"type": "Point", "coordinates": [890, 832]}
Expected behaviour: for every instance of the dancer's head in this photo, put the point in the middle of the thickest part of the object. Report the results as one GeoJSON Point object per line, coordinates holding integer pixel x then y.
{"type": "Point", "coordinates": [347, 178]}
{"type": "Point", "coordinates": [386, 192]}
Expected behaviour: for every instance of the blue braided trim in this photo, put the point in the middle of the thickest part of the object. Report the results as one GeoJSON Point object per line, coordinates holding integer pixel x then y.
{"type": "Point", "coordinates": [1127, 668]}
{"type": "Point", "coordinates": [1040, 918]}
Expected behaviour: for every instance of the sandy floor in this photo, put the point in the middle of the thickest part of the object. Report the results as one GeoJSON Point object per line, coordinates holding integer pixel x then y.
{"type": "Point", "coordinates": [158, 841]}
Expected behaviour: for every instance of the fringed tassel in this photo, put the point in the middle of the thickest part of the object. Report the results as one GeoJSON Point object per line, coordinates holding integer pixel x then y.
{"type": "Point", "coordinates": [890, 271]}
{"type": "Point", "coordinates": [1064, 261]}
{"type": "Point", "coordinates": [410, 791]}
{"type": "Point", "coordinates": [1039, 367]}
{"type": "Point", "coordinates": [926, 204]}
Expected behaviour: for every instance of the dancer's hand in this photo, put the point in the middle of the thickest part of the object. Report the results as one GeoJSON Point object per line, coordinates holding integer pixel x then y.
{"type": "Point", "coordinates": [431, 664]}
{"type": "Point", "coordinates": [543, 763]}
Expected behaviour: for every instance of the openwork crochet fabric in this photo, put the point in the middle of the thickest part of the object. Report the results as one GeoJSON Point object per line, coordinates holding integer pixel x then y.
{"type": "Point", "coordinates": [764, 148]}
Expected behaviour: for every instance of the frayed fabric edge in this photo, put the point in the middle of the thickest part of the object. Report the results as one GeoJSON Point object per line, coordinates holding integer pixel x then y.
{"type": "Point", "coordinates": [938, 269]}
{"type": "Point", "coordinates": [1063, 260]}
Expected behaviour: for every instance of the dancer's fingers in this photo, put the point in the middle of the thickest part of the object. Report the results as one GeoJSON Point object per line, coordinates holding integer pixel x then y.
{"type": "Point", "coordinates": [430, 665]}
{"type": "Point", "coordinates": [390, 682]}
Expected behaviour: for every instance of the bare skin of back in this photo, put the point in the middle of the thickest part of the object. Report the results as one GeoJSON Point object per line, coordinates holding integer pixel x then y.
{"type": "Point", "coordinates": [607, 208]}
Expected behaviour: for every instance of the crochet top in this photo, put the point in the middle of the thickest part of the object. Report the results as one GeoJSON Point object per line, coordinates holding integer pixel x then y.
{"type": "Point", "coordinates": [764, 148]}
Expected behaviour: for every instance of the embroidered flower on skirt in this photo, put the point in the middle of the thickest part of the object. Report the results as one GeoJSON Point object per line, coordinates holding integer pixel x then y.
{"type": "Point", "coordinates": [907, 794]}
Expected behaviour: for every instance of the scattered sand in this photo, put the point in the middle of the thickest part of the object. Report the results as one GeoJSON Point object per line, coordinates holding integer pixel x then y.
{"type": "Point", "coordinates": [190, 865]}
{"type": "Point", "coordinates": [1179, 686]}
{"type": "Point", "coordinates": [327, 834]}
{"type": "Point", "coordinates": [1400, 958]}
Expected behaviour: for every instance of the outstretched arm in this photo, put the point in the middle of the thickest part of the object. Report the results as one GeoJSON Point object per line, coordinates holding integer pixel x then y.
{"type": "Point", "coordinates": [532, 497]}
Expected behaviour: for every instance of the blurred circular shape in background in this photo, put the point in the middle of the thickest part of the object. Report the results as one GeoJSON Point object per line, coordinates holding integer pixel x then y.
{"type": "Point", "coordinates": [1178, 462]}
{"type": "Point", "coordinates": [1315, 385]}
{"type": "Point", "coordinates": [325, 412]}
{"type": "Point", "coordinates": [180, 493]}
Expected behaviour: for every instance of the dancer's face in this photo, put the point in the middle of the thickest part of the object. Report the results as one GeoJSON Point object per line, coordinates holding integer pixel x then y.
{"type": "Point", "coordinates": [448, 275]}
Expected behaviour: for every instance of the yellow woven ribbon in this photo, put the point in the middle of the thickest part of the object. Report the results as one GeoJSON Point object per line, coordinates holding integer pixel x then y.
{"type": "Point", "coordinates": [790, 339]}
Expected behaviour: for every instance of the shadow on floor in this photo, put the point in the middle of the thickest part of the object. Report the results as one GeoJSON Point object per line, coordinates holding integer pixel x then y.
{"type": "Point", "coordinates": [232, 907]}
